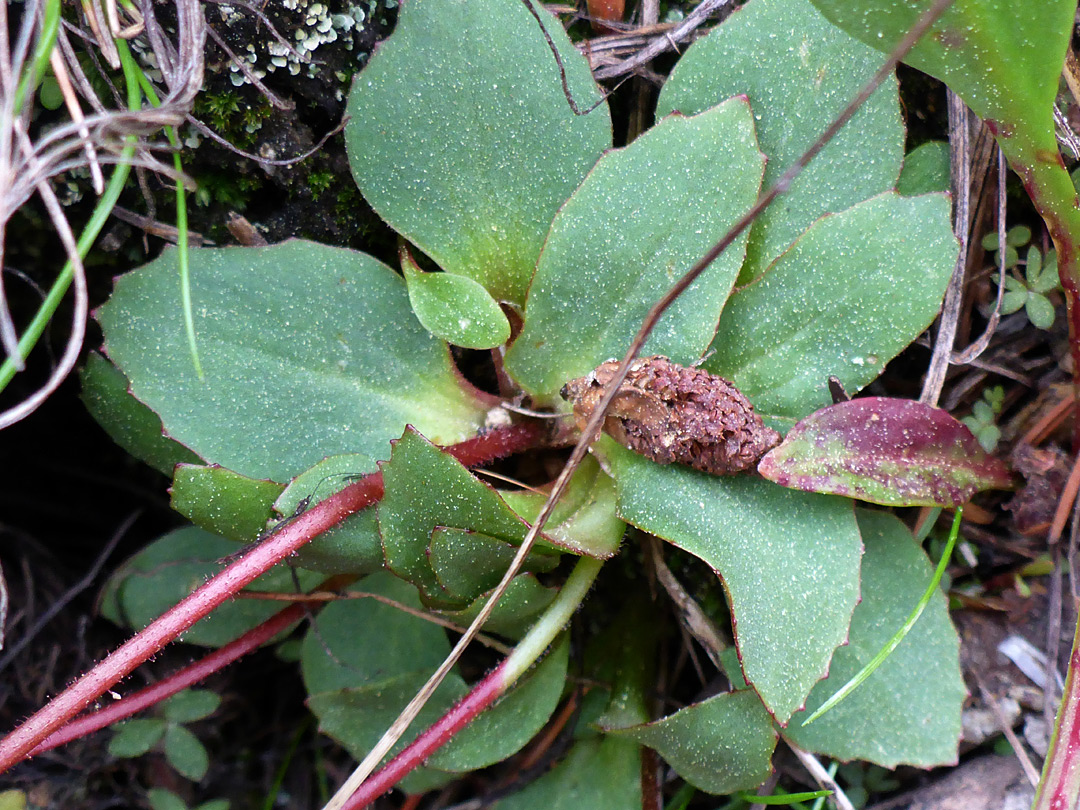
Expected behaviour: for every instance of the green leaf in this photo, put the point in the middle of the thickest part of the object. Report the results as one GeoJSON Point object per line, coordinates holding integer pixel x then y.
{"type": "Point", "coordinates": [896, 452]}
{"type": "Point", "coordinates": [983, 412]}
{"type": "Point", "coordinates": [135, 737]}
{"type": "Point", "coordinates": [640, 220]}
{"type": "Point", "coordinates": [223, 502]}
{"type": "Point", "coordinates": [456, 308]}
{"type": "Point", "coordinates": [162, 799]}
{"type": "Point", "coordinates": [308, 351]}
{"type": "Point", "coordinates": [1012, 283]}
{"type": "Point", "coordinates": [789, 563]}
{"type": "Point", "coordinates": [1013, 300]}
{"type": "Point", "coordinates": [908, 712]}
{"type": "Point", "coordinates": [370, 641]}
{"type": "Point", "coordinates": [584, 519]}
{"type": "Point", "coordinates": [12, 800]}
{"type": "Point", "coordinates": [1016, 236]}
{"type": "Point", "coordinates": [185, 753]}
{"type": "Point", "coordinates": [812, 70]}
{"type": "Point", "coordinates": [191, 705]}
{"type": "Point", "coordinates": [1003, 59]}
{"type": "Point", "coordinates": [598, 773]}
{"type": "Point", "coordinates": [516, 612]}
{"type": "Point", "coordinates": [507, 726]}
{"type": "Point", "coordinates": [1032, 265]}
{"type": "Point", "coordinates": [1012, 258]}
{"type": "Point", "coordinates": [172, 567]}
{"type": "Point", "coordinates": [356, 717]}
{"type": "Point", "coordinates": [926, 170]}
{"type": "Point", "coordinates": [720, 745]}
{"type": "Point", "coordinates": [366, 660]}
{"type": "Point", "coordinates": [1048, 278]}
{"type": "Point", "coordinates": [849, 295]}
{"type": "Point", "coordinates": [128, 422]}
{"type": "Point", "coordinates": [468, 564]}
{"type": "Point", "coordinates": [1040, 311]}
{"type": "Point", "coordinates": [353, 546]}
{"type": "Point", "coordinates": [461, 138]}
{"type": "Point", "coordinates": [988, 436]}
{"type": "Point", "coordinates": [425, 488]}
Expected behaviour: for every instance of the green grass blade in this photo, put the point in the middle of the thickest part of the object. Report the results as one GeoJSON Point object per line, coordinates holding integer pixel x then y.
{"type": "Point", "coordinates": [100, 215]}
{"type": "Point", "coordinates": [786, 798]}
{"type": "Point", "coordinates": [894, 642]}
{"type": "Point", "coordinates": [43, 49]}
{"type": "Point", "coordinates": [181, 225]}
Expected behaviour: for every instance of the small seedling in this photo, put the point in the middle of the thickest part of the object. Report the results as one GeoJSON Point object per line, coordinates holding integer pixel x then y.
{"type": "Point", "coordinates": [168, 734]}
{"type": "Point", "coordinates": [1029, 292]}
{"type": "Point", "coordinates": [983, 418]}
{"type": "Point", "coordinates": [1032, 291]}
{"type": "Point", "coordinates": [162, 799]}
{"type": "Point", "coordinates": [1016, 237]}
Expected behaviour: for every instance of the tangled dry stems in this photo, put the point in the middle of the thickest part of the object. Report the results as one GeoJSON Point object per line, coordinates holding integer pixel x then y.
{"type": "Point", "coordinates": [111, 134]}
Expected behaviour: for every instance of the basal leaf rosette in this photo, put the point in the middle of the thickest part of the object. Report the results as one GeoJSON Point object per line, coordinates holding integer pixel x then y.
{"type": "Point", "coordinates": [894, 452]}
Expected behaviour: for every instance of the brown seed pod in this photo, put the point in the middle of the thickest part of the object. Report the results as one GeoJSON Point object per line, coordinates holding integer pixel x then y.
{"type": "Point", "coordinates": [673, 414]}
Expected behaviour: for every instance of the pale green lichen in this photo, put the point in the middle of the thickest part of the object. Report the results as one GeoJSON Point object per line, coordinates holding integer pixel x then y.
{"type": "Point", "coordinates": [319, 24]}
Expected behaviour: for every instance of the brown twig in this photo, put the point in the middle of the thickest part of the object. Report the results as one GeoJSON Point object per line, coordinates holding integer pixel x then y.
{"type": "Point", "coordinates": [700, 626]}
{"type": "Point", "coordinates": [205, 130]}
{"type": "Point", "coordinates": [960, 121]}
{"type": "Point", "coordinates": [972, 352]}
{"type": "Point", "coordinates": [1064, 507]}
{"type": "Point", "coordinates": [666, 41]}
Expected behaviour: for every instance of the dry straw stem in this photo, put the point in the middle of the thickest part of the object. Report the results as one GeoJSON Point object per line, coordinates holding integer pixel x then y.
{"type": "Point", "coordinates": [592, 428]}
{"type": "Point", "coordinates": [30, 157]}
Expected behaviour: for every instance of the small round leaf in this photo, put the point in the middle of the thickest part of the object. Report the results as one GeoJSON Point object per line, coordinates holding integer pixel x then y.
{"type": "Point", "coordinates": [1040, 311]}
{"type": "Point", "coordinates": [456, 309]}
{"type": "Point", "coordinates": [186, 753]}
{"type": "Point", "coordinates": [135, 737]}
{"type": "Point", "coordinates": [191, 705]}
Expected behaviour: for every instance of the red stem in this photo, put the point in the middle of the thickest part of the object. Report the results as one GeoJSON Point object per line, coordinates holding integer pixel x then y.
{"type": "Point", "coordinates": [188, 676]}
{"type": "Point", "coordinates": [167, 627]}
{"type": "Point", "coordinates": [1060, 781]}
{"type": "Point", "coordinates": [482, 695]}
{"type": "Point", "coordinates": [178, 681]}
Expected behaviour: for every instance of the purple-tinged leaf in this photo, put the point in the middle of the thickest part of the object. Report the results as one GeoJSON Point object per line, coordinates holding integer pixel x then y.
{"type": "Point", "coordinates": [895, 452]}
